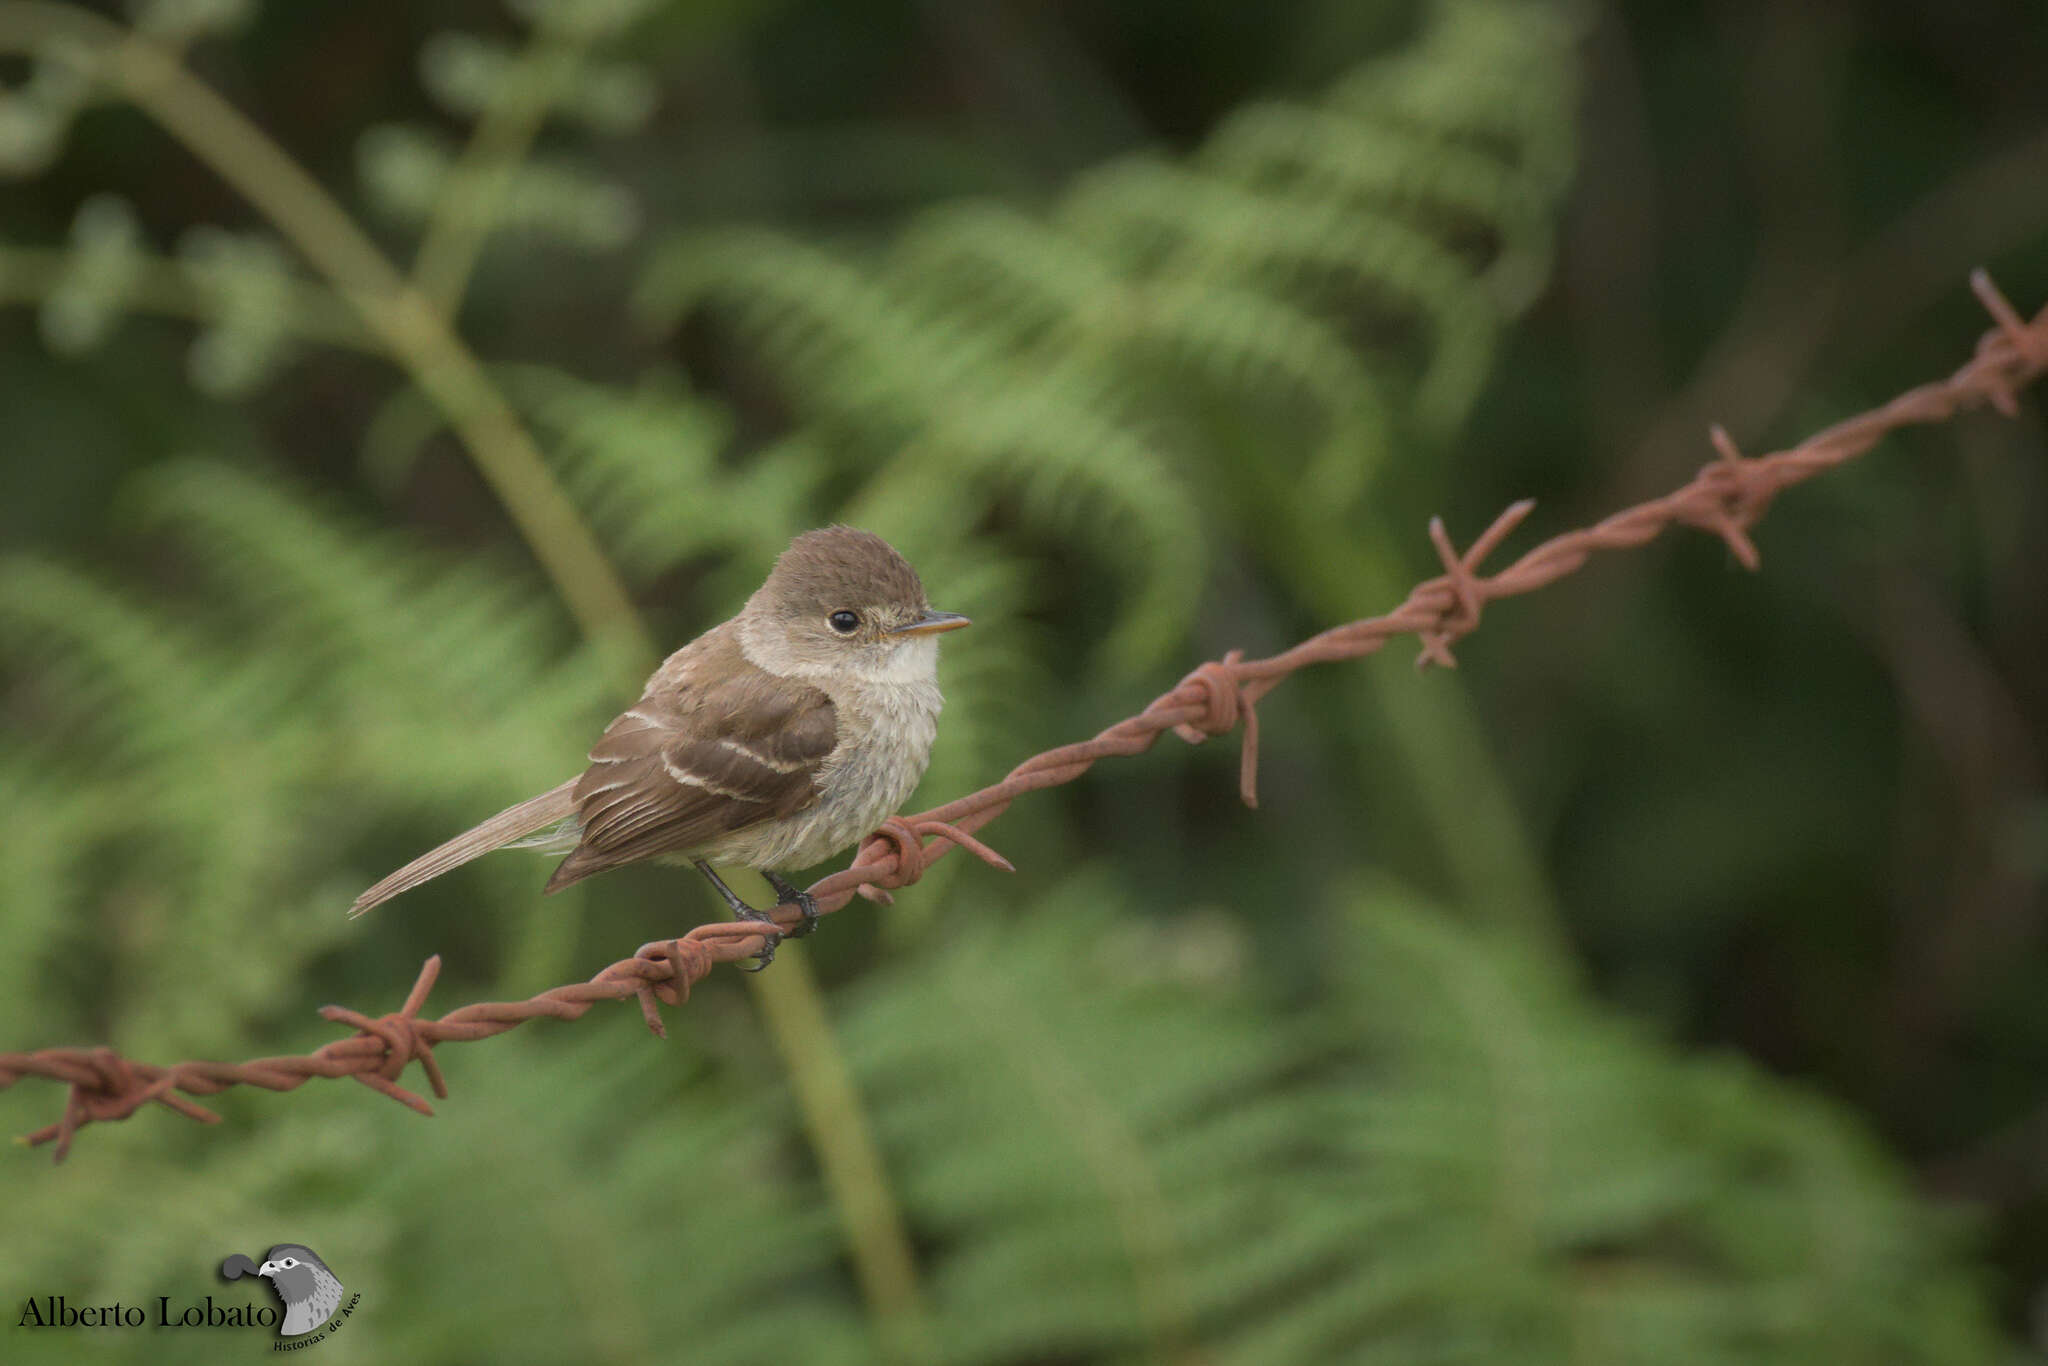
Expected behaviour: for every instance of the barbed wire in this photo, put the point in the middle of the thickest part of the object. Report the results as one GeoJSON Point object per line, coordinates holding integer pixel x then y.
{"type": "Point", "coordinates": [1725, 498]}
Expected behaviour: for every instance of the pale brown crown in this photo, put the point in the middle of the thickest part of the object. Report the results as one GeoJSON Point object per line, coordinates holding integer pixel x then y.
{"type": "Point", "coordinates": [842, 567]}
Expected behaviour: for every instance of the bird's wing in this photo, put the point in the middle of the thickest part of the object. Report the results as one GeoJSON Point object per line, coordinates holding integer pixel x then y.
{"type": "Point", "coordinates": [326, 1296]}
{"type": "Point", "coordinates": [706, 752]}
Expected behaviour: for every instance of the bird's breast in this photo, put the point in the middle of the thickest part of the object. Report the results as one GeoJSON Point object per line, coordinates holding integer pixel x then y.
{"type": "Point", "coordinates": [886, 741]}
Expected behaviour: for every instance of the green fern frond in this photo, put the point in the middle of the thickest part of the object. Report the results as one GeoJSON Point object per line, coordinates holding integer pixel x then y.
{"type": "Point", "coordinates": [90, 295]}
{"type": "Point", "coordinates": [120, 680]}
{"type": "Point", "coordinates": [217, 744]}
{"type": "Point", "coordinates": [1300, 264]}
{"type": "Point", "coordinates": [1001, 272]}
{"type": "Point", "coordinates": [250, 287]}
{"type": "Point", "coordinates": [46, 818]}
{"type": "Point", "coordinates": [1385, 167]}
{"type": "Point", "coordinates": [645, 466]}
{"type": "Point", "coordinates": [1245, 344]}
{"type": "Point", "coordinates": [1060, 1226]}
{"type": "Point", "coordinates": [1556, 1152]}
{"type": "Point", "coordinates": [1451, 1157]}
{"type": "Point", "coordinates": [349, 602]}
{"type": "Point", "coordinates": [852, 352]}
{"type": "Point", "coordinates": [947, 402]}
{"type": "Point", "coordinates": [1083, 476]}
{"type": "Point", "coordinates": [1157, 217]}
{"type": "Point", "coordinates": [1006, 272]}
{"type": "Point", "coordinates": [1486, 73]}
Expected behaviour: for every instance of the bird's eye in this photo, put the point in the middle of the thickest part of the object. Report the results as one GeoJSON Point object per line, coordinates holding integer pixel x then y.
{"type": "Point", "coordinates": [289, 1261]}
{"type": "Point", "coordinates": [844, 622]}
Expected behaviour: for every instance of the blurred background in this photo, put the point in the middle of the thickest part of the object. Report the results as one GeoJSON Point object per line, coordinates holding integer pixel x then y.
{"type": "Point", "coordinates": [386, 392]}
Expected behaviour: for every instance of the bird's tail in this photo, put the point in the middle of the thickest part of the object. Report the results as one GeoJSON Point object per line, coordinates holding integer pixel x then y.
{"type": "Point", "coordinates": [500, 830]}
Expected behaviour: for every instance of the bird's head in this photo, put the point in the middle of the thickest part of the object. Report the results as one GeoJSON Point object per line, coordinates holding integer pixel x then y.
{"type": "Point", "coordinates": [843, 602]}
{"type": "Point", "coordinates": [290, 1267]}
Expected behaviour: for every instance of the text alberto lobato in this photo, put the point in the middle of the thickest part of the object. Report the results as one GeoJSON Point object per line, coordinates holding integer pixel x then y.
{"type": "Point", "coordinates": [54, 1311]}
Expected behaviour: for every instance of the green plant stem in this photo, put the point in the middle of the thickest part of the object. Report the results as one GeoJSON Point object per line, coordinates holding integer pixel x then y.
{"type": "Point", "coordinates": [418, 337]}
{"type": "Point", "coordinates": [473, 194]}
{"type": "Point", "coordinates": [848, 1159]}
{"type": "Point", "coordinates": [410, 328]}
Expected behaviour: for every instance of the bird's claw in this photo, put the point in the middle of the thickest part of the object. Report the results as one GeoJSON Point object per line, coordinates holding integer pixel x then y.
{"type": "Point", "coordinates": [787, 895]}
{"type": "Point", "coordinates": [809, 909]}
{"type": "Point", "coordinates": [771, 937]}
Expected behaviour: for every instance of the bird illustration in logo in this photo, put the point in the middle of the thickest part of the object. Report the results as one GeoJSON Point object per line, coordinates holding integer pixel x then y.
{"type": "Point", "coordinates": [309, 1291]}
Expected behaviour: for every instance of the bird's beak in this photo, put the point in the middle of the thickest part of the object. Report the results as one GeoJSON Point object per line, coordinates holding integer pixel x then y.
{"type": "Point", "coordinates": [266, 1269]}
{"type": "Point", "coordinates": [931, 623]}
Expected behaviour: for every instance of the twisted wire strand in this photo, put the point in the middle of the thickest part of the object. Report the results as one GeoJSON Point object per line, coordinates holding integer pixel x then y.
{"type": "Point", "coordinates": [1725, 498]}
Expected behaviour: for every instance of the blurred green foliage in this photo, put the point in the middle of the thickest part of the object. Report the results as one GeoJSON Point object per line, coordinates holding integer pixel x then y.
{"type": "Point", "coordinates": [1147, 332]}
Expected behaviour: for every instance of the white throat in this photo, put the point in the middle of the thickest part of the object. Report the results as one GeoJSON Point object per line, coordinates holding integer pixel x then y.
{"type": "Point", "coordinates": [915, 660]}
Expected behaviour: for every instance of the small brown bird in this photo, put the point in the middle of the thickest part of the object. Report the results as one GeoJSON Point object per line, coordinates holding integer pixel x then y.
{"type": "Point", "coordinates": [770, 741]}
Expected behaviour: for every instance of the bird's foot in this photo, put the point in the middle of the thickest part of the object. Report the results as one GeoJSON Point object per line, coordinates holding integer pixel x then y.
{"type": "Point", "coordinates": [772, 936]}
{"type": "Point", "coordinates": [786, 895]}
{"type": "Point", "coordinates": [764, 955]}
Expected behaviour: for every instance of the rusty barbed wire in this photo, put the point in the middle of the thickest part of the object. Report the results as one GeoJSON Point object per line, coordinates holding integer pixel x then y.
{"type": "Point", "coordinates": [1725, 498]}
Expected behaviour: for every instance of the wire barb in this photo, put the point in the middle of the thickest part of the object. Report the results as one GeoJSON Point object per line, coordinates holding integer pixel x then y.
{"type": "Point", "coordinates": [1224, 703]}
{"type": "Point", "coordinates": [1469, 592]}
{"type": "Point", "coordinates": [1736, 510]}
{"type": "Point", "coordinates": [896, 855]}
{"type": "Point", "coordinates": [2023, 339]}
{"type": "Point", "coordinates": [1726, 497]}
